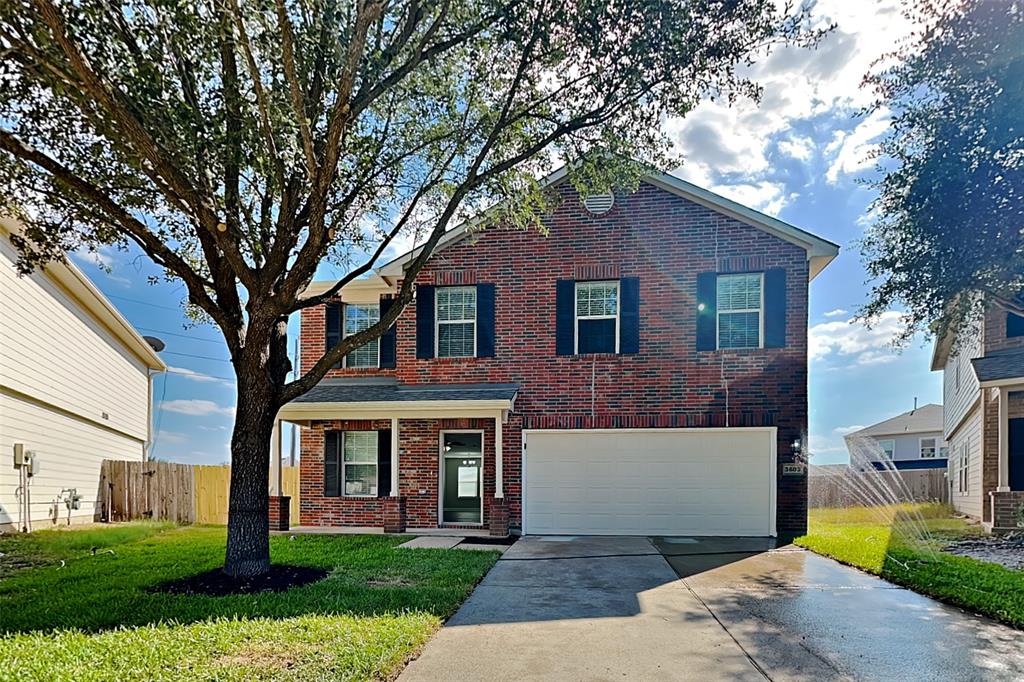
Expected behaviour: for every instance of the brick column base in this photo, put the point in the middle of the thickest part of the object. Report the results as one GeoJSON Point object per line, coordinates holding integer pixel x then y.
{"type": "Point", "coordinates": [394, 514]}
{"type": "Point", "coordinates": [280, 510]}
{"type": "Point", "coordinates": [1006, 510]}
{"type": "Point", "coordinates": [498, 517]}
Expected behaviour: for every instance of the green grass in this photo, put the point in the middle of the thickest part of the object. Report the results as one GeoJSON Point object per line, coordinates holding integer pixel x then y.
{"type": "Point", "coordinates": [69, 613]}
{"type": "Point", "coordinates": [901, 543]}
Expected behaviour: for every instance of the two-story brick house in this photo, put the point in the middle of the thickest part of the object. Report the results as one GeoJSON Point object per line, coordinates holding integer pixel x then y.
{"type": "Point", "coordinates": [983, 398]}
{"type": "Point", "coordinates": [639, 369]}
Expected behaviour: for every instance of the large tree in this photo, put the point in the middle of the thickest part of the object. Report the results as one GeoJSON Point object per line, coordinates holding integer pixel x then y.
{"type": "Point", "coordinates": [240, 143]}
{"type": "Point", "coordinates": [948, 238]}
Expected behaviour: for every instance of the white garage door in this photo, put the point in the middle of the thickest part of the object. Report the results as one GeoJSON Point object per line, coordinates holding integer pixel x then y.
{"type": "Point", "coordinates": [652, 482]}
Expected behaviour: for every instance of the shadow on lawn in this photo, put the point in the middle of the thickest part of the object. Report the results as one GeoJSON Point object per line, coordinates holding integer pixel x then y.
{"type": "Point", "coordinates": [367, 576]}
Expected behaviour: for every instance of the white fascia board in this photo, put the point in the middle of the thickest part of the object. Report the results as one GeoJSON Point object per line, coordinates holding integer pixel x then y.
{"type": "Point", "coordinates": [364, 290]}
{"type": "Point", "coordinates": [420, 409]}
{"type": "Point", "coordinates": [820, 252]}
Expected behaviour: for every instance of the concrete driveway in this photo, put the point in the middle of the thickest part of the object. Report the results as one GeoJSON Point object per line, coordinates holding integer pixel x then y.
{"type": "Point", "coordinates": [615, 608]}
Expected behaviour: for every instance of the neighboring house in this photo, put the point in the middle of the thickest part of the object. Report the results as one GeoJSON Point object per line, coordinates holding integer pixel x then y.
{"type": "Point", "coordinates": [639, 369]}
{"type": "Point", "coordinates": [74, 389]}
{"type": "Point", "coordinates": [983, 394]}
{"type": "Point", "coordinates": [912, 440]}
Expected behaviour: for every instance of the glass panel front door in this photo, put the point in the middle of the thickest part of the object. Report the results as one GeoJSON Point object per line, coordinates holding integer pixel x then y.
{"type": "Point", "coordinates": [462, 476]}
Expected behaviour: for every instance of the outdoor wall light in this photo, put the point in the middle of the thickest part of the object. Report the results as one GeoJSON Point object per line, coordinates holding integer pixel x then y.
{"type": "Point", "coordinates": [701, 306]}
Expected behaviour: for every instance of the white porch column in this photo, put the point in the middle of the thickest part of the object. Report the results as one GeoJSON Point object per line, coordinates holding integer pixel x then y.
{"type": "Point", "coordinates": [1004, 439]}
{"type": "Point", "coordinates": [394, 457]}
{"type": "Point", "coordinates": [499, 478]}
{"type": "Point", "coordinates": [275, 462]}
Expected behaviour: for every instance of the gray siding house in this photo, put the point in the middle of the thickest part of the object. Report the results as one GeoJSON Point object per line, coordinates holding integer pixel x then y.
{"type": "Point", "coordinates": [912, 440]}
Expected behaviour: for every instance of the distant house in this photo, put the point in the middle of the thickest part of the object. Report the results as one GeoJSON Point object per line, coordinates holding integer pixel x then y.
{"type": "Point", "coordinates": [983, 389]}
{"type": "Point", "coordinates": [912, 440]}
{"type": "Point", "coordinates": [75, 388]}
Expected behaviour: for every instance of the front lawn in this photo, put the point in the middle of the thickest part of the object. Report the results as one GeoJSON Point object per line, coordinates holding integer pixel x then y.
{"type": "Point", "coordinates": [901, 543]}
{"type": "Point", "coordinates": [78, 604]}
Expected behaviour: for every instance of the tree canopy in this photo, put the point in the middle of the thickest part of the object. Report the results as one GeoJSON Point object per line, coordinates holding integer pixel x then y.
{"type": "Point", "coordinates": [949, 231]}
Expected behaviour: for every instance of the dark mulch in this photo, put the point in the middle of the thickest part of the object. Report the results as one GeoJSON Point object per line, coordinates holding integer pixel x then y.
{"type": "Point", "coordinates": [216, 583]}
{"type": "Point", "coordinates": [488, 540]}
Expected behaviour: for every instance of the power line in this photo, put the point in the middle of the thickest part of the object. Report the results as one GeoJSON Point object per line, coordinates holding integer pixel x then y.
{"type": "Point", "coordinates": [135, 300]}
{"type": "Point", "coordinates": [184, 336]}
{"type": "Point", "coordinates": [190, 355]}
{"type": "Point", "coordinates": [199, 374]}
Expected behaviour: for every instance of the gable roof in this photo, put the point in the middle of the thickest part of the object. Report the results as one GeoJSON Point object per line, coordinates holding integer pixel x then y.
{"type": "Point", "coordinates": [88, 296]}
{"type": "Point", "coordinates": [820, 252]}
{"type": "Point", "coordinates": [924, 419]}
{"type": "Point", "coordinates": [999, 366]}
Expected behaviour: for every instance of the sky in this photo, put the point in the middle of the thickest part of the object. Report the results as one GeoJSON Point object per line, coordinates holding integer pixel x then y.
{"type": "Point", "coordinates": [801, 154]}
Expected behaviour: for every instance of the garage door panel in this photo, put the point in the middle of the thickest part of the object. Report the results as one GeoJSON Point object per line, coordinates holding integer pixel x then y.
{"type": "Point", "coordinates": [666, 482]}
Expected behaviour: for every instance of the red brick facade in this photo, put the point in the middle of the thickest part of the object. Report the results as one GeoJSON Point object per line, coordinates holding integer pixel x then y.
{"type": "Point", "coordinates": [653, 235]}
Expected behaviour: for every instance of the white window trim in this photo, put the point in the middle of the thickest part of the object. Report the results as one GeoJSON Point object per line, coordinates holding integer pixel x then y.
{"type": "Point", "coordinates": [920, 447]}
{"type": "Point", "coordinates": [438, 323]}
{"type": "Point", "coordinates": [344, 318]}
{"type": "Point", "coordinates": [963, 470]}
{"type": "Point", "coordinates": [440, 483]}
{"type": "Point", "coordinates": [376, 465]}
{"type": "Point", "coordinates": [881, 444]}
{"type": "Point", "coordinates": [759, 311]}
{"type": "Point", "coordinates": [576, 312]}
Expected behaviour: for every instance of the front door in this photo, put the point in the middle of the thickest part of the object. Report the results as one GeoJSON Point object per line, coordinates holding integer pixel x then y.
{"type": "Point", "coordinates": [461, 477]}
{"type": "Point", "coordinates": [1016, 454]}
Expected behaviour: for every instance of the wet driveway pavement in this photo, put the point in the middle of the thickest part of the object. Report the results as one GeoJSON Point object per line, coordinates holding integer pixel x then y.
{"type": "Point", "coordinates": [603, 608]}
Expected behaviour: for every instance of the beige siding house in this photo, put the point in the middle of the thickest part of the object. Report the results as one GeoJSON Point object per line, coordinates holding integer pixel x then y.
{"type": "Point", "coordinates": [983, 421]}
{"type": "Point", "coordinates": [75, 389]}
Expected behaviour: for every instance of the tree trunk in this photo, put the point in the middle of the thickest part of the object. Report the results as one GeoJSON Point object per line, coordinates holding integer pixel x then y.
{"type": "Point", "coordinates": [248, 548]}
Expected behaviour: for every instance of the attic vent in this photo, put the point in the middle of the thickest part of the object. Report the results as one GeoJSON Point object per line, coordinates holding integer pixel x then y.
{"type": "Point", "coordinates": [599, 203]}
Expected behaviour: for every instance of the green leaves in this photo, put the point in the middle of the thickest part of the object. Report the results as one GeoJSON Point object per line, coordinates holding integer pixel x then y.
{"type": "Point", "coordinates": [949, 236]}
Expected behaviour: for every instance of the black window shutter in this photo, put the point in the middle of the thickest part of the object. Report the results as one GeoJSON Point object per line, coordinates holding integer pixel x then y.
{"type": "Point", "coordinates": [775, 308]}
{"type": "Point", "coordinates": [707, 301]}
{"type": "Point", "coordinates": [1014, 325]}
{"type": "Point", "coordinates": [485, 320]}
{"type": "Point", "coordinates": [565, 317]}
{"type": "Point", "coordinates": [389, 338]}
{"type": "Point", "coordinates": [629, 315]}
{"type": "Point", "coordinates": [384, 463]}
{"type": "Point", "coordinates": [332, 330]}
{"type": "Point", "coordinates": [424, 321]}
{"type": "Point", "coordinates": [332, 463]}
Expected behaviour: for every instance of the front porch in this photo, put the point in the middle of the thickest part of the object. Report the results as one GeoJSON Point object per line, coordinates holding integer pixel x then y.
{"type": "Point", "coordinates": [378, 455]}
{"type": "Point", "coordinates": [1001, 377]}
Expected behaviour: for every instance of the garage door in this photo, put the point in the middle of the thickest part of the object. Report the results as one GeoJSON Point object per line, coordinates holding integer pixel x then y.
{"type": "Point", "coordinates": [660, 482]}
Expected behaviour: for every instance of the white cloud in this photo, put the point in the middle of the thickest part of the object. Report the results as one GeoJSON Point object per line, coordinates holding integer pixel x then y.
{"type": "Point", "coordinates": [768, 197]}
{"type": "Point", "coordinates": [212, 428]}
{"type": "Point", "coordinates": [852, 151]}
{"type": "Point", "coordinates": [196, 408]}
{"type": "Point", "coordinates": [823, 445]}
{"type": "Point", "coordinates": [192, 375]}
{"type": "Point", "coordinates": [835, 313]}
{"type": "Point", "coordinates": [843, 430]}
{"type": "Point", "coordinates": [103, 256]}
{"type": "Point", "coordinates": [799, 148]}
{"type": "Point", "coordinates": [169, 437]}
{"type": "Point", "coordinates": [798, 85]}
{"type": "Point", "coordinates": [854, 341]}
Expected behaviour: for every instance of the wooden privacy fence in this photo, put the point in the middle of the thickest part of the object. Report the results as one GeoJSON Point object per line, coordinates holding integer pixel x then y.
{"type": "Point", "coordinates": [849, 488]}
{"type": "Point", "coordinates": [183, 493]}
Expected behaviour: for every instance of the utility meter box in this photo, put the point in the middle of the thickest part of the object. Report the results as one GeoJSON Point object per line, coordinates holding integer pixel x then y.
{"type": "Point", "coordinates": [33, 464]}
{"type": "Point", "coordinates": [22, 456]}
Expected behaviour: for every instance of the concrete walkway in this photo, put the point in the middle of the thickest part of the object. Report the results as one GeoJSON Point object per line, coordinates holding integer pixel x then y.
{"type": "Point", "coordinates": [693, 609]}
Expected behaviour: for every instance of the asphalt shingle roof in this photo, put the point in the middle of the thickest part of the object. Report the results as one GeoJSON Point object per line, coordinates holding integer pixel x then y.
{"type": "Point", "coordinates": [360, 390]}
{"type": "Point", "coordinates": [1002, 364]}
{"type": "Point", "coordinates": [925, 418]}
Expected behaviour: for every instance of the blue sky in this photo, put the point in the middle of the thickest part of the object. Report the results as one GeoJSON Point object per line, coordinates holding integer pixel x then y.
{"type": "Point", "coordinates": [800, 155]}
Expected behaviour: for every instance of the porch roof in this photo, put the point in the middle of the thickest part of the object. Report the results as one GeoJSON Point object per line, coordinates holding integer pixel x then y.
{"type": "Point", "coordinates": [383, 397]}
{"type": "Point", "coordinates": [1000, 367]}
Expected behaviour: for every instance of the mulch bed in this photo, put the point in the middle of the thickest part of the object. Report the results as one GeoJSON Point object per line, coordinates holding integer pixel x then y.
{"type": "Point", "coordinates": [216, 583]}
{"type": "Point", "coordinates": [1007, 550]}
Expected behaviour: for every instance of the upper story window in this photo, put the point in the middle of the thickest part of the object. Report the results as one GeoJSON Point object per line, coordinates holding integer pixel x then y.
{"type": "Point", "coordinates": [456, 322]}
{"type": "Point", "coordinates": [740, 305]}
{"type": "Point", "coordinates": [597, 317]}
{"type": "Point", "coordinates": [928, 448]}
{"type": "Point", "coordinates": [357, 319]}
{"type": "Point", "coordinates": [888, 446]}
